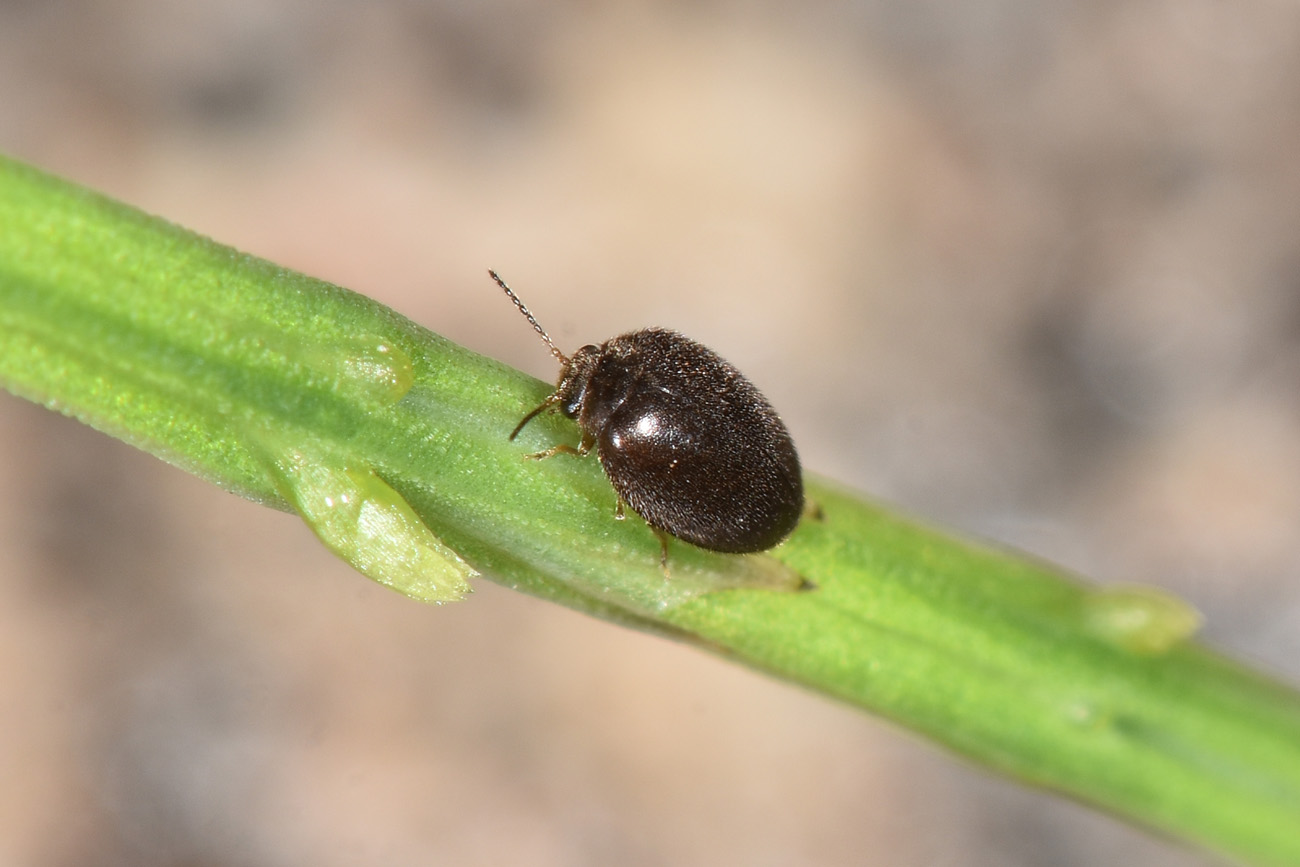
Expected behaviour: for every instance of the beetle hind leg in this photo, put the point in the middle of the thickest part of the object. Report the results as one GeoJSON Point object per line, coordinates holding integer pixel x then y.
{"type": "Point", "coordinates": [663, 550]}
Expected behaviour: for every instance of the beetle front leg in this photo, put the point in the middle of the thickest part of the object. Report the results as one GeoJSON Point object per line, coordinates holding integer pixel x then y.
{"type": "Point", "coordinates": [583, 449]}
{"type": "Point", "coordinates": [561, 449]}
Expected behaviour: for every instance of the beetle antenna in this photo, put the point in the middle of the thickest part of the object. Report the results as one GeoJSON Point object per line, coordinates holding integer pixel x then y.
{"type": "Point", "coordinates": [560, 356]}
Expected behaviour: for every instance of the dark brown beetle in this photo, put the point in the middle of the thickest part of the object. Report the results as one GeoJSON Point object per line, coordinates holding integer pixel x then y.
{"type": "Point", "coordinates": [685, 439]}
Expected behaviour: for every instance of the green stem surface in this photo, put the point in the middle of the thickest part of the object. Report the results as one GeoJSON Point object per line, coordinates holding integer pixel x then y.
{"type": "Point", "coordinates": [391, 443]}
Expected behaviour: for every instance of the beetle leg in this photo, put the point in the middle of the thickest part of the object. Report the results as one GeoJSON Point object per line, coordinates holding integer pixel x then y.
{"type": "Point", "coordinates": [663, 550]}
{"type": "Point", "coordinates": [618, 510]}
{"type": "Point", "coordinates": [561, 449]}
{"type": "Point", "coordinates": [582, 450]}
{"type": "Point", "coordinates": [813, 511]}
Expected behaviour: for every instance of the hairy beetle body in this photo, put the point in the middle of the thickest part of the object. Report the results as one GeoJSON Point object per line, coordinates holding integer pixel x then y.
{"type": "Point", "coordinates": [689, 443]}
{"type": "Point", "coordinates": [685, 439]}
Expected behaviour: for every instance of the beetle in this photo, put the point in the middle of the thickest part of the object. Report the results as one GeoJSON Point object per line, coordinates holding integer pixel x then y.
{"type": "Point", "coordinates": [687, 442]}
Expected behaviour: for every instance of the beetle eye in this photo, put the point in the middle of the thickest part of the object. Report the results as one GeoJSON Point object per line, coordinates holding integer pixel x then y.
{"type": "Point", "coordinates": [572, 406]}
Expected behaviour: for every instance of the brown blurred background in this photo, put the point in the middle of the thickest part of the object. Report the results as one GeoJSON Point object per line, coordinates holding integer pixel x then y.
{"type": "Point", "coordinates": [1027, 269]}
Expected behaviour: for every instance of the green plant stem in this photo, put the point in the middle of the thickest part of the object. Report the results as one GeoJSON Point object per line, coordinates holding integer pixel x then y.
{"type": "Point", "coordinates": [391, 442]}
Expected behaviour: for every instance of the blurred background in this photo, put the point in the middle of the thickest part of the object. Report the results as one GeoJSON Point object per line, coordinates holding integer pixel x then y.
{"type": "Point", "coordinates": [1030, 270]}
